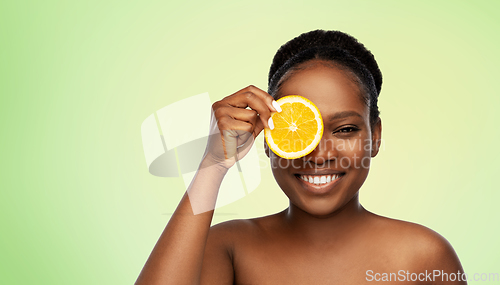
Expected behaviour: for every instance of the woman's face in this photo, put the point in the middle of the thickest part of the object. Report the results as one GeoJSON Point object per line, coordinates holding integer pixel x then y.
{"type": "Point", "coordinates": [345, 150]}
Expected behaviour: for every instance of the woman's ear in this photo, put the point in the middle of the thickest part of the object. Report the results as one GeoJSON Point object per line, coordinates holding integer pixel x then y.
{"type": "Point", "coordinates": [266, 148]}
{"type": "Point", "coordinates": [376, 137]}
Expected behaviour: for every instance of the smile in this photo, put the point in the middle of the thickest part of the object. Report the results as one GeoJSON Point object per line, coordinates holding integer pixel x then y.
{"type": "Point", "coordinates": [319, 184]}
{"type": "Point", "coordinates": [320, 179]}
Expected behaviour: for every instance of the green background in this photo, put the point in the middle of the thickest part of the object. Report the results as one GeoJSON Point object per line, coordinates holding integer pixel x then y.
{"type": "Point", "coordinates": [77, 78]}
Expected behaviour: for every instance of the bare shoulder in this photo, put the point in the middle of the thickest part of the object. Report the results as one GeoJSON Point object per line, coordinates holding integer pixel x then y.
{"type": "Point", "coordinates": [239, 235]}
{"type": "Point", "coordinates": [245, 228]}
{"type": "Point", "coordinates": [415, 236]}
{"type": "Point", "coordinates": [423, 247]}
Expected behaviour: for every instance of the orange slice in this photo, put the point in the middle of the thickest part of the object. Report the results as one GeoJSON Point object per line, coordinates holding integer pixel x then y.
{"type": "Point", "coordinates": [297, 128]}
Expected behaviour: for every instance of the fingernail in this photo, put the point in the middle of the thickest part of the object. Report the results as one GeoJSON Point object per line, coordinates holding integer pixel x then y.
{"type": "Point", "coordinates": [276, 106]}
{"type": "Point", "coordinates": [270, 123]}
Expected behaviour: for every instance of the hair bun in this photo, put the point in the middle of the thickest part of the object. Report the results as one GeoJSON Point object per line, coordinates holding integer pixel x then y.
{"type": "Point", "coordinates": [336, 39]}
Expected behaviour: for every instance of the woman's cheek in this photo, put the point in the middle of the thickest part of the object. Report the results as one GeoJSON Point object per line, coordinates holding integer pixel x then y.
{"type": "Point", "coordinates": [364, 153]}
{"type": "Point", "coordinates": [355, 153]}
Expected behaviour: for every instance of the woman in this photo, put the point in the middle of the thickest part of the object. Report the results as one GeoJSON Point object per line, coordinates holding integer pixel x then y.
{"type": "Point", "coordinates": [325, 236]}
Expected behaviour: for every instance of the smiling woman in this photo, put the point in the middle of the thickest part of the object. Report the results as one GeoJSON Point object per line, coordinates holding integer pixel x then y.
{"type": "Point", "coordinates": [325, 236]}
{"type": "Point", "coordinates": [338, 98]}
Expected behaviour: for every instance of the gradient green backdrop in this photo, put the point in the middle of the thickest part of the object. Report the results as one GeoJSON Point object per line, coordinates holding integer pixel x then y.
{"type": "Point", "coordinates": [77, 204]}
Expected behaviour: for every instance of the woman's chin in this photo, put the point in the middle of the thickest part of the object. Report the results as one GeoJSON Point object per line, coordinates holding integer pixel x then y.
{"type": "Point", "coordinates": [327, 206]}
{"type": "Point", "coordinates": [320, 209]}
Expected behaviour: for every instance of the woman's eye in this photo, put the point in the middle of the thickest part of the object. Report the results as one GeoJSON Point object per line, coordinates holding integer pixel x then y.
{"type": "Point", "coordinates": [347, 130]}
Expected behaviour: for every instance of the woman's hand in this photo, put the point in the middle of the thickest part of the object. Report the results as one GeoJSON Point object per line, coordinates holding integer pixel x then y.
{"type": "Point", "coordinates": [236, 121]}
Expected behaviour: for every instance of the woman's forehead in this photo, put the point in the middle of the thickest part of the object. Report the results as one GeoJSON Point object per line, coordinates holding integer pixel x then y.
{"type": "Point", "coordinates": [330, 88]}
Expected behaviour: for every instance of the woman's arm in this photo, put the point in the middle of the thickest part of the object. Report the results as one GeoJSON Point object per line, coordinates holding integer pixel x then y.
{"type": "Point", "coordinates": [178, 255]}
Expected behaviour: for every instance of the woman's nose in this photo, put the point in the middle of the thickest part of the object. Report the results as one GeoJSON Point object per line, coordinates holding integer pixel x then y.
{"type": "Point", "coordinates": [325, 151]}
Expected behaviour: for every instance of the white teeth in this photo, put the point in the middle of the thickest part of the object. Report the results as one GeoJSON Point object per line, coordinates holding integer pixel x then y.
{"type": "Point", "coordinates": [318, 180]}
{"type": "Point", "coordinates": [323, 179]}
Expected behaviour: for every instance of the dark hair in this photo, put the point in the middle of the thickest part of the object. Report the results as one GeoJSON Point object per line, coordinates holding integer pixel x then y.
{"type": "Point", "coordinates": [336, 47]}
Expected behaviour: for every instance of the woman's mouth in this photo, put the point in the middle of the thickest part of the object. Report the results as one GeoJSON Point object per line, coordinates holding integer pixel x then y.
{"type": "Point", "coordinates": [319, 184]}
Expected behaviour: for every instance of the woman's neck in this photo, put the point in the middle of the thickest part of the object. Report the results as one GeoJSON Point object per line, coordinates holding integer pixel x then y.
{"type": "Point", "coordinates": [330, 228]}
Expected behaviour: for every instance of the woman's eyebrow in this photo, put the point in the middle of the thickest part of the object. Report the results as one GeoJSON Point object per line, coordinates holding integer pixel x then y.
{"type": "Point", "coordinates": [344, 114]}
